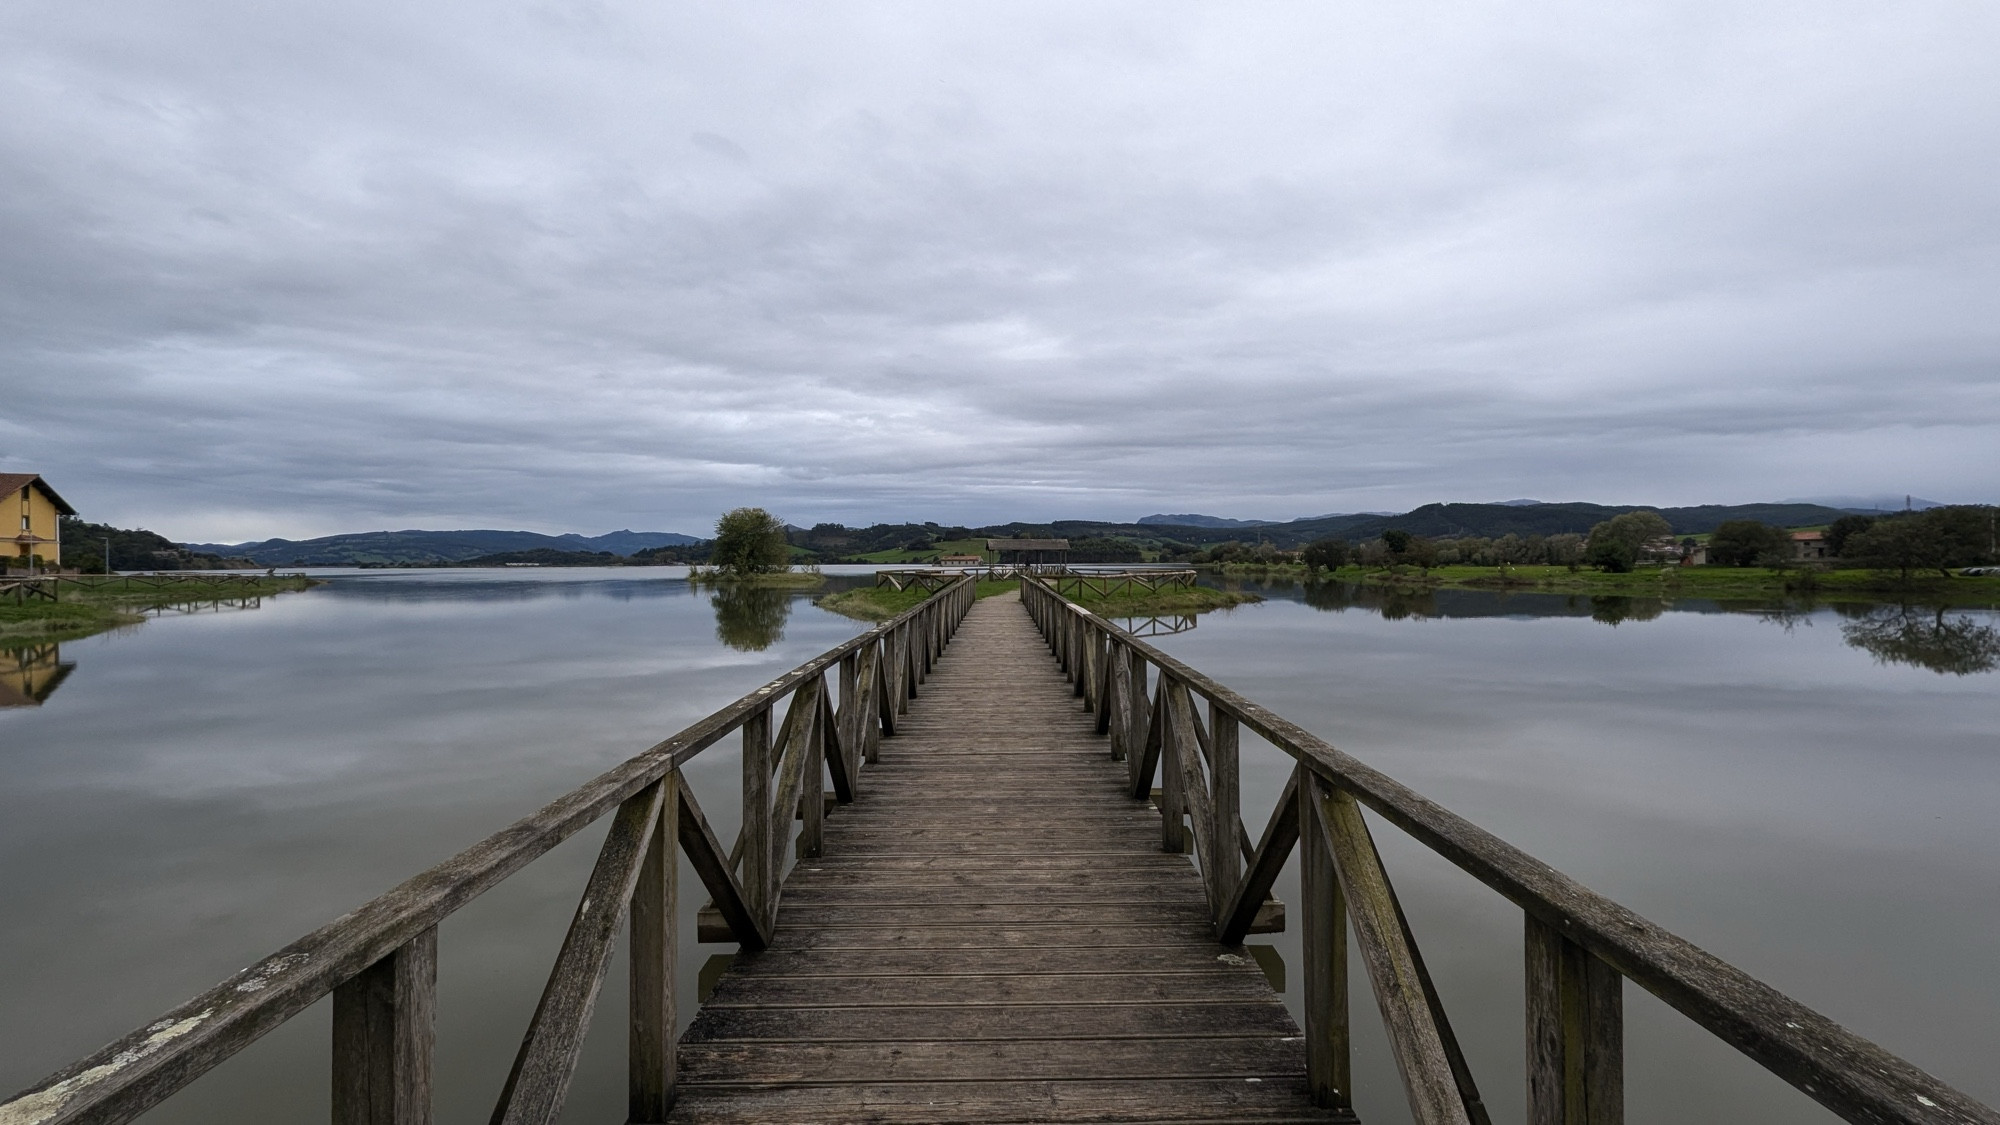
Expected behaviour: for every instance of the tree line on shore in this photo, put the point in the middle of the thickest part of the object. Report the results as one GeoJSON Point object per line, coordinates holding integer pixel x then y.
{"type": "Point", "coordinates": [1940, 539]}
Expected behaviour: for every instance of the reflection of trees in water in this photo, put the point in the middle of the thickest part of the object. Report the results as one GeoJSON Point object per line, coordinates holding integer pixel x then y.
{"type": "Point", "coordinates": [1957, 646]}
{"type": "Point", "coordinates": [1392, 602]}
{"type": "Point", "coordinates": [750, 618]}
{"type": "Point", "coordinates": [1614, 608]}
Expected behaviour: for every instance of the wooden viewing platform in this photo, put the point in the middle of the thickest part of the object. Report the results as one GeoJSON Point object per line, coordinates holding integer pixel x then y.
{"type": "Point", "coordinates": [994, 934]}
{"type": "Point", "coordinates": [996, 923]}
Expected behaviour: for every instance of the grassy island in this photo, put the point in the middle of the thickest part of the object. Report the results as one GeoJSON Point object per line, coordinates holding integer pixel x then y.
{"type": "Point", "coordinates": [96, 604]}
{"type": "Point", "coordinates": [809, 579]}
{"type": "Point", "coordinates": [880, 603]}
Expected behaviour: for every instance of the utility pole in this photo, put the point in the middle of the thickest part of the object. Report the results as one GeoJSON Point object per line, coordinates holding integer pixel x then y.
{"type": "Point", "coordinates": [107, 556]}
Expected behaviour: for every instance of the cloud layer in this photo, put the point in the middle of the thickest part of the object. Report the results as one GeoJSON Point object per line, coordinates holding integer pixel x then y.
{"type": "Point", "coordinates": [305, 269]}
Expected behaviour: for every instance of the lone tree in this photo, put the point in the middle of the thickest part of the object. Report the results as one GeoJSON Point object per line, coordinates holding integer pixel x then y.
{"type": "Point", "coordinates": [1325, 554]}
{"type": "Point", "coordinates": [750, 541]}
{"type": "Point", "coordinates": [1615, 544]}
{"type": "Point", "coordinates": [1749, 543]}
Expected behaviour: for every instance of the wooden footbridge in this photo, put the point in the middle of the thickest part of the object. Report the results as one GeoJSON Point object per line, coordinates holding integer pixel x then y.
{"type": "Point", "coordinates": [995, 923]}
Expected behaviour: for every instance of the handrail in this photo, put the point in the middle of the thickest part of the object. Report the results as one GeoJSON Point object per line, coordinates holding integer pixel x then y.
{"type": "Point", "coordinates": [1580, 943]}
{"type": "Point", "coordinates": [379, 961]}
{"type": "Point", "coordinates": [49, 587]}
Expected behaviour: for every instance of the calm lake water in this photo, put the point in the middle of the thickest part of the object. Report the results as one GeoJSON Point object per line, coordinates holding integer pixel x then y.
{"type": "Point", "coordinates": [1809, 794]}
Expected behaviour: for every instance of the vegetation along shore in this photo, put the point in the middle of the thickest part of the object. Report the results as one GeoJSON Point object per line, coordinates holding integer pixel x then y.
{"type": "Point", "coordinates": [62, 609]}
{"type": "Point", "coordinates": [880, 603]}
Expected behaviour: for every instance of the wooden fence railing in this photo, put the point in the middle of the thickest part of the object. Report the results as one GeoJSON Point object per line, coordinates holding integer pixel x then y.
{"type": "Point", "coordinates": [380, 962]}
{"type": "Point", "coordinates": [1104, 584]}
{"type": "Point", "coordinates": [1580, 945]}
{"type": "Point", "coordinates": [50, 587]}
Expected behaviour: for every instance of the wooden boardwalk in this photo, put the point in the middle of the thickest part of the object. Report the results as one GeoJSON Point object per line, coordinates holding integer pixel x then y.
{"type": "Point", "coordinates": [994, 934]}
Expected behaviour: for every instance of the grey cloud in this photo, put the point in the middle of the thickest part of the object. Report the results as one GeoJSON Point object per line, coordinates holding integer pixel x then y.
{"type": "Point", "coordinates": [272, 271]}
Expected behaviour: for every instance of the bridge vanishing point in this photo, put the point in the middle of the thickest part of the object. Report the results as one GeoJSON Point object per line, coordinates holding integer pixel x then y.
{"type": "Point", "coordinates": [999, 926]}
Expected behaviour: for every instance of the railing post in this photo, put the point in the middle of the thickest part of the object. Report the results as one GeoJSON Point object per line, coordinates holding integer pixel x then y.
{"type": "Point", "coordinates": [384, 1029]}
{"type": "Point", "coordinates": [812, 793]}
{"type": "Point", "coordinates": [853, 713]}
{"type": "Point", "coordinates": [1173, 835]}
{"type": "Point", "coordinates": [1137, 730]}
{"type": "Point", "coordinates": [1323, 942]}
{"type": "Point", "coordinates": [1576, 1032]}
{"type": "Point", "coordinates": [650, 1060]}
{"type": "Point", "coordinates": [1224, 802]}
{"type": "Point", "coordinates": [756, 830]}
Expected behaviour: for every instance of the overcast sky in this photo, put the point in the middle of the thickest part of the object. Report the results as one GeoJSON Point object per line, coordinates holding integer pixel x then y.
{"type": "Point", "coordinates": [295, 269]}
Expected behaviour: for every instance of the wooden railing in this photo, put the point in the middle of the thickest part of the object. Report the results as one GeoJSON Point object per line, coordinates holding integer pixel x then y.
{"type": "Point", "coordinates": [380, 962]}
{"type": "Point", "coordinates": [1104, 584]}
{"type": "Point", "coordinates": [50, 587]}
{"type": "Point", "coordinates": [1580, 946]}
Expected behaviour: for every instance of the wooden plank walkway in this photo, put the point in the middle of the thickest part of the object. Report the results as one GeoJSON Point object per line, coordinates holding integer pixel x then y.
{"type": "Point", "coordinates": [994, 935]}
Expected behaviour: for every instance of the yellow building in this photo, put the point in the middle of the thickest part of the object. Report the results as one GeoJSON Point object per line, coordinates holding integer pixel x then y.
{"type": "Point", "coordinates": [31, 509]}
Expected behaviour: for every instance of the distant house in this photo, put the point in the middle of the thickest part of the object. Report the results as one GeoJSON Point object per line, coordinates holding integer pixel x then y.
{"type": "Point", "coordinates": [960, 560]}
{"type": "Point", "coordinates": [33, 511]}
{"type": "Point", "coordinates": [1032, 552]}
{"type": "Point", "coordinates": [1668, 551]}
{"type": "Point", "coordinates": [1809, 545]}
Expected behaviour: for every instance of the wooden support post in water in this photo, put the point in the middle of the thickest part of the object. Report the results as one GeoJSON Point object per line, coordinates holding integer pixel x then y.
{"type": "Point", "coordinates": [650, 1057]}
{"type": "Point", "coordinates": [384, 1028]}
{"type": "Point", "coordinates": [1576, 1033]}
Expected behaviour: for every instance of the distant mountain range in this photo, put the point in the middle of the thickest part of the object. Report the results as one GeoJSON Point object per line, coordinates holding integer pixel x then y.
{"type": "Point", "coordinates": [828, 541]}
{"type": "Point", "coordinates": [402, 547]}
{"type": "Point", "coordinates": [1190, 519]}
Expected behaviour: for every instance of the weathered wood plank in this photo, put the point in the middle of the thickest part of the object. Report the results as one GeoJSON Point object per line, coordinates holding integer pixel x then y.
{"type": "Point", "coordinates": [1185, 1101]}
{"type": "Point", "coordinates": [989, 937]}
{"type": "Point", "coordinates": [650, 1059]}
{"type": "Point", "coordinates": [1575, 1033]}
{"type": "Point", "coordinates": [993, 1021]}
{"type": "Point", "coordinates": [1203, 957]}
{"type": "Point", "coordinates": [911, 1060]}
{"type": "Point", "coordinates": [1323, 947]}
{"type": "Point", "coordinates": [1068, 914]}
{"type": "Point", "coordinates": [384, 1033]}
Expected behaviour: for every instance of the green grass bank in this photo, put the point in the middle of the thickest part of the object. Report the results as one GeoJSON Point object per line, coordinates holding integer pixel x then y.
{"type": "Point", "coordinates": [89, 608]}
